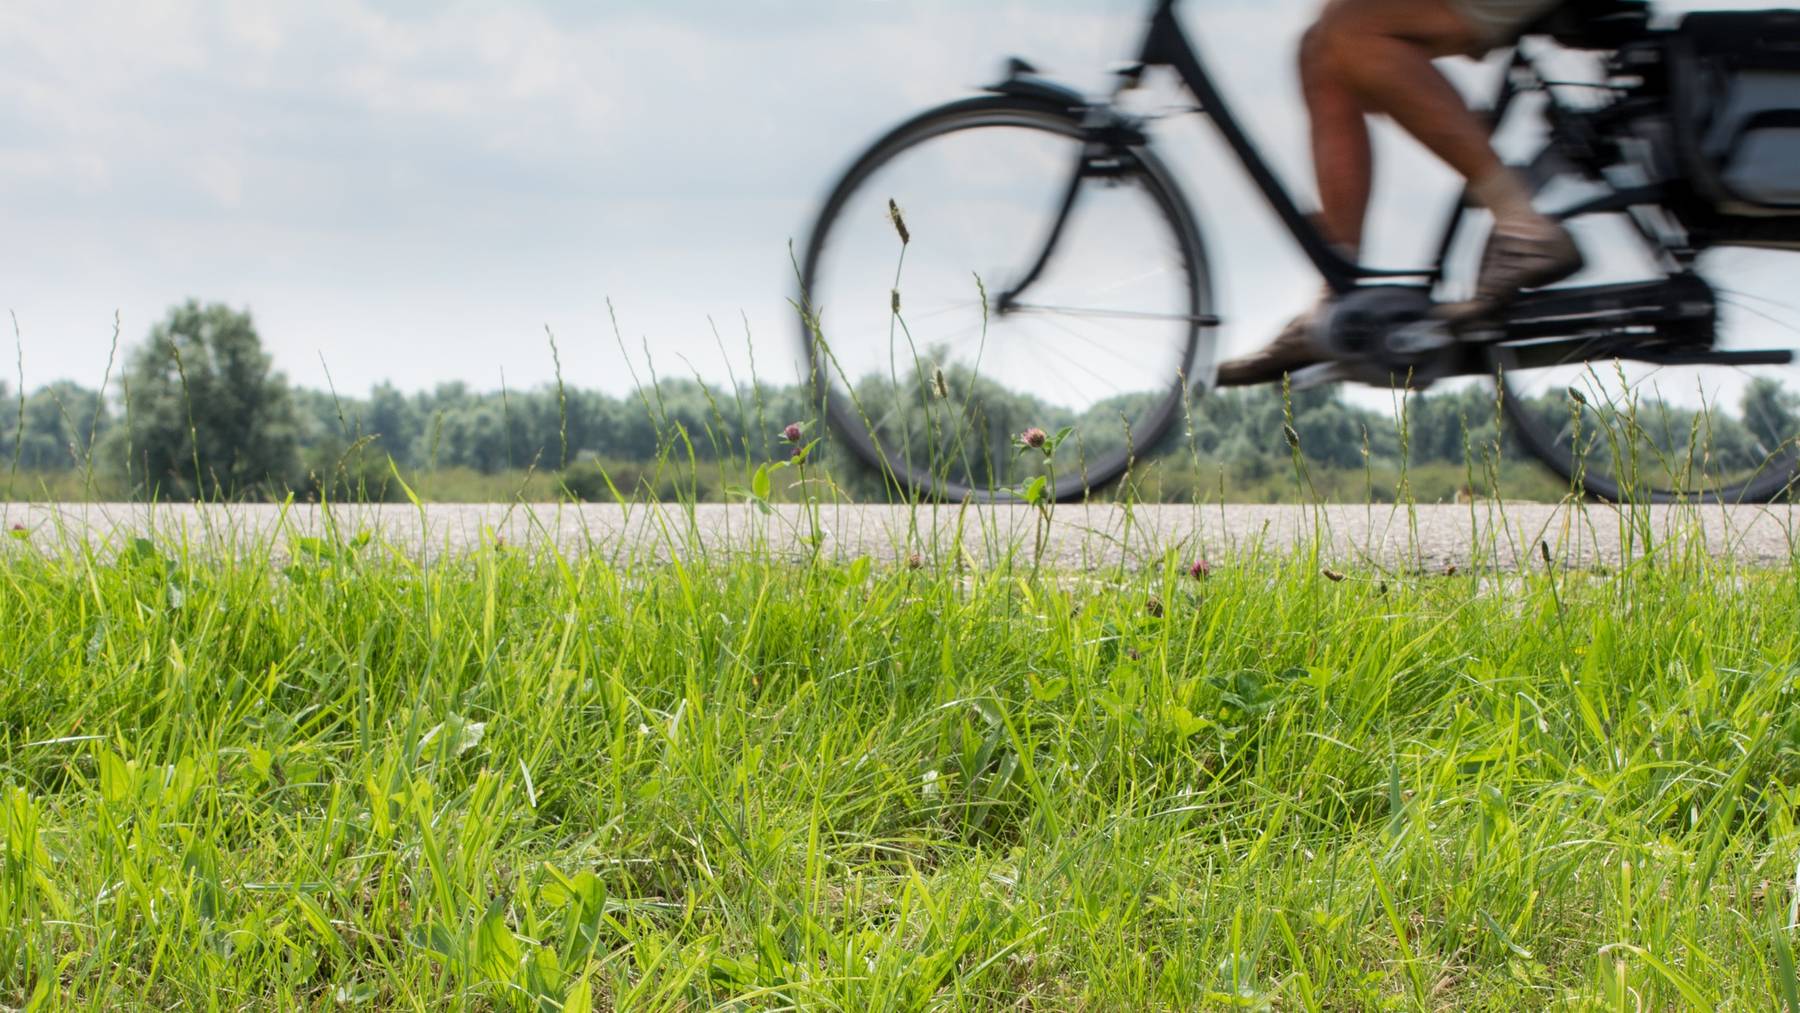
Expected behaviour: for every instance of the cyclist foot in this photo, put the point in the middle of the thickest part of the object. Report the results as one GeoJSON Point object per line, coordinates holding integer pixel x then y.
{"type": "Point", "coordinates": [1292, 349]}
{"type": "Point", "coordinates": [1516, 261]}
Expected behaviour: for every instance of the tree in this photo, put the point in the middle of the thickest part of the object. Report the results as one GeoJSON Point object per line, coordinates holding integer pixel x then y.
{"type": "Point", "coordinates": [59, 419]}
{"type": "Point", "coordinates": [1772, 415]}
{"type": "Point", "coordinates": [395, 423]}
{"type": "Point", "coordinates": [207, 415]}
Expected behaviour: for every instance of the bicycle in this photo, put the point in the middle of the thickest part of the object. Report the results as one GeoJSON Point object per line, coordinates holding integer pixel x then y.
{"type": "Point", "coordinates": [1100, 317]}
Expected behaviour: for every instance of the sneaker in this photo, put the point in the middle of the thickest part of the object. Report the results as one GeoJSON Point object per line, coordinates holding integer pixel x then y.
{"type": "Point", "coordinates": [1292, 349]}
{"type": "Point", "coordinates": [1513, 262]}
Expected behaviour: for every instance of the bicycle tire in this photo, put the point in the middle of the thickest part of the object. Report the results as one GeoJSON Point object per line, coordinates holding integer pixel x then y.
{"type": "Point", "coordinates": [1199, 350]}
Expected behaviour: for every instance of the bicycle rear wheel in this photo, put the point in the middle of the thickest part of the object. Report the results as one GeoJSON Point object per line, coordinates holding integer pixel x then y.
{"type": "Point", "coordinates": [920, 370]}
{"type": "Point", "coordinates": [1623, 429]}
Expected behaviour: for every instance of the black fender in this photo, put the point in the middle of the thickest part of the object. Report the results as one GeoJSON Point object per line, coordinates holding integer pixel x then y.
{"type": "Point", "coordinates": [1023, 80]}
{"type": "Point", "coordinates": [1104, 122]}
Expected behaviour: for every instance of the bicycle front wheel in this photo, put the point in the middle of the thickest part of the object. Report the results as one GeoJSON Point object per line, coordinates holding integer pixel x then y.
{"type": "Point", "coordinates": [922, 370]}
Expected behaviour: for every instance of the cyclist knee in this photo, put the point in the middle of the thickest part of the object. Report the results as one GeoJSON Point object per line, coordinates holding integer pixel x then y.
{"type": "Point", "coordinates": [1313, 49]}
{"type": "Point", "coordinates": [1329, 46]}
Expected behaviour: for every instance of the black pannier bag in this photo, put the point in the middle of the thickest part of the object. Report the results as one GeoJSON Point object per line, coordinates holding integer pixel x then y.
{"type": "Point", "coordinates": [1734, 91]}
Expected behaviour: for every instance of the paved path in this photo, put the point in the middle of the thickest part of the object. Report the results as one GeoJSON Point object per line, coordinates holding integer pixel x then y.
{"type": "Point", "coordinates": [1427, 537]}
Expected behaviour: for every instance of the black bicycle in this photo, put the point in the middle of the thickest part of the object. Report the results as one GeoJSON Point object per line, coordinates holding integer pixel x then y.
{"type": "Point", "coordinates": [1049, 272]}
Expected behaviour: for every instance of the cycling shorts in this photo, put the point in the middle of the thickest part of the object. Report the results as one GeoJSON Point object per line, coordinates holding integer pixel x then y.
{"type": "Point", "coordinates": [1499, 22]}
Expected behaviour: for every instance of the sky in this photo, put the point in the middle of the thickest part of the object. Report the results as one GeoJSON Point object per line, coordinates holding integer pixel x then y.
{"type": "Point", "coordinates": [421, 192]}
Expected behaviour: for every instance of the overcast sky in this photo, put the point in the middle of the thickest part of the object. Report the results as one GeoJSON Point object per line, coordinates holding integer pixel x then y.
{"type": "Point", "coordinates": [414, 191]}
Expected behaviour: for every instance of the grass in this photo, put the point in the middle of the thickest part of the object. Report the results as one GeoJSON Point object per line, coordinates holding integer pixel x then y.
{"type": "Point", "coordinates": [333, 773]}
{"type": "Point", "coordinates": [302, 771]}
{"type": "Point", "coordinates": [1172, 478]}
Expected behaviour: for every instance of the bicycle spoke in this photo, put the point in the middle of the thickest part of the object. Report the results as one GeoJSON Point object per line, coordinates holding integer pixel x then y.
{"type": "Point", "coordinates": [1203, 320]}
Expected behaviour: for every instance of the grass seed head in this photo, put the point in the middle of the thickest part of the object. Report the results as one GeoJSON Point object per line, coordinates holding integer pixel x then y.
{"type": "Point", "coordinates": [1291, 435]}
{"type": "Point", "coordinates": [899, 222]}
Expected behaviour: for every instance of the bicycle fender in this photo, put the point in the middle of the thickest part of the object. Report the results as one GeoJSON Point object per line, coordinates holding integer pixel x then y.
{"type": "Point", "coordinates": [1023, 80]}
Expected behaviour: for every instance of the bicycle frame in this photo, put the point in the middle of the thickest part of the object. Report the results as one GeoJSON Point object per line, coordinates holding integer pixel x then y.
{"type": "Point", "coordinates": [1637, 312]}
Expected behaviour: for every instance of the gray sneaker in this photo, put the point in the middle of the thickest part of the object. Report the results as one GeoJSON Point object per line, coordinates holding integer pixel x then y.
{"type": "Point", "coordinates": [1292, 349]}
{"type": "Point", "coordinates": [1514, 262]}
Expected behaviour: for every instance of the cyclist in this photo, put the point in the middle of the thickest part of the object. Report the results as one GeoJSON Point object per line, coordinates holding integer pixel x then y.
{"type": "Point", "coordinates": [1375, 56]}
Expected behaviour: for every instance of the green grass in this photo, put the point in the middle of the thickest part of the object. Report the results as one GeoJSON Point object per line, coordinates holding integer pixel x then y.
{"type": "Point", "coordinates": [1171, 478]}
{"type": "Point", "coordinates": [332, 774]}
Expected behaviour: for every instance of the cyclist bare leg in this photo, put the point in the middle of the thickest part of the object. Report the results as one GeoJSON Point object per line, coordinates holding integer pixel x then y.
{"type": "Point", "coordinates": [1375, 56]}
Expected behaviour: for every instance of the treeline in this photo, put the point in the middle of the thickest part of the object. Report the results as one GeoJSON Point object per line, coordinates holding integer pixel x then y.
{"type": "Point", "coordinates": [196, 409]}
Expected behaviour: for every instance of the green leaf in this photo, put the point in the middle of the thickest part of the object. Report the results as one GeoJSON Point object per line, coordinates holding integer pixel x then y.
{"type": "Point", "coordinates": [1690, 991]}
{"type": "Point", "coordinates": [411, 497]}
{"type": "Point", "coordinates": [496, 948]}
{"type": "Point", "coordinates": [319, 922]}
{"type": "Point", "coordinates": [116, 781]}
{"type": "Point", "coordinates": [859, 570]}
{"type": "Point", "coordinates": [1034, 492]}
{"type": "Point", "coordinates": [1048, 689]}
{"type": "Point", "coordinates": [457, 734]}
{"type": "Point", "coordinates": [318, 548]}
{"type": "Point", "coordinates": [580, 998]}
{"type": "Point", "coordinates": [40, 993]}
{"type": "Point", "coordinates": [1185, 723]}
{"type": "Point", "coordinates": [544, 976]}
{"type": "Point", "coordinates": [1396, 801]}
{"type": "Point", "coordinates": [436, 939]}
{"type": "Point", "coordinates": [142, 552]}
{"type": "Point", "coordinates": [759, 483]}
{"type": "Point", "coordinates": [261, 760]}
{"type": "Point", "coordinates": [990, 712]}
{"type": "Point", "coordinates": [583, 890]}
{"type": "Point", "coordinates": [356, 993]}
{"type": "Point", "coordinates": [1504, 936]}
{"type": "Point", "coordinates": [1784, 961]}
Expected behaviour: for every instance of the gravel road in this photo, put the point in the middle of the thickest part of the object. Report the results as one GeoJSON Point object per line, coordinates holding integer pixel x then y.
{"type": "Point", "coordinates": [1431, 537]}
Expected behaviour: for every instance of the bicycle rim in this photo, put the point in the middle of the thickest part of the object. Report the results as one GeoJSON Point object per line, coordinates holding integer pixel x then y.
{"type": "Point", "coordinates": [920, 371]}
